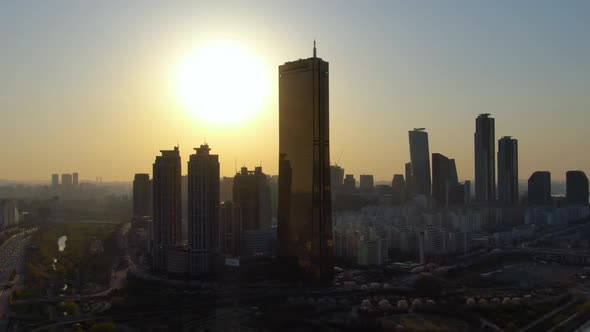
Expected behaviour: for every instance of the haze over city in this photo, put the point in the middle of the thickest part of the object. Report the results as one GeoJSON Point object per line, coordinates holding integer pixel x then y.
{"type": "Point", "coordinates": [99, 88]}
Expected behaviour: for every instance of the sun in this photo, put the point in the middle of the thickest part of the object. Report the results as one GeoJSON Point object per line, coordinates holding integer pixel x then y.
{"type": "Point", "coordinates": [223, 82]}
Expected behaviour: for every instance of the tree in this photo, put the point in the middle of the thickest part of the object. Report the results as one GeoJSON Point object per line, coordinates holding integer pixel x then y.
{"type": "Point", "coordinates": [71, 308]}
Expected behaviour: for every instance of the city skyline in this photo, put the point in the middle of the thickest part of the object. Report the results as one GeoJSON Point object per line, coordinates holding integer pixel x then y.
{"type": "Point", "coordinates": [419, 77]}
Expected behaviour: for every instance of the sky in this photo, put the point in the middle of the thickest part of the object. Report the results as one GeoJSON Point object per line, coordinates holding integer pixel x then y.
{"type": "Point", "coordinates": [88, 86]}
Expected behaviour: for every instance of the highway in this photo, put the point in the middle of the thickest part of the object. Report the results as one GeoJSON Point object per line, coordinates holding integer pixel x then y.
{"type": "Point", "coordinates": [12, 255]}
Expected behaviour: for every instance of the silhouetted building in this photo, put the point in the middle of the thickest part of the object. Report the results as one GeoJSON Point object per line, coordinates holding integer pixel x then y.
{"type": "Point", "coordinates": [230, 228]}
{"type": "Point", "coordinates": [142, 195]}
{"type": "Point", "coordinates": [226, 189]}
{"type": "Point", "coordinates": [576, 189]}
{"type": "Point", "coordinates": [252, 193]}
{"type": "Point", "coordinates": [539, 188]}
{"type": "Point", "coordinates": [420, 160]}
{"type": "Point", "coordinates": [508, 170]}
{"type": "Point", "coordinates": [203, 209]}
{"type": "Point", "coordinates": [459, 194]}
{"type": "Point", "coordinates": [66, 180]}
{"type": "Point", "coordinates": [366, 184]}
{"type": "Point", "coordinates": [409, 182]}
{"type": "Point", "coordinates": [304, 220]}
{"type": "Point", "coordinates": [336, 179]}
{"type": "Point", "coordinates": [166, 205]}
{"type": "Point", "coordinates": [444, 178]}
{"type": "Point", "coordinates": [349, 183]}
{"type": "Point", "coordinates": [54, 180]}
{"type": "Point", "coordinates": [485, 160]}
{"type": "Point", "coordinates": [75, 179]}
{"type": "Point", "coordinates": [398, 189]}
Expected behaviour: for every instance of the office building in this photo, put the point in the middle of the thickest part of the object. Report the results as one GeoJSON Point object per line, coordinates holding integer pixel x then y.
{"type": "Point", "coordinates": [444, 178]}
{"type": "Point", "coordinates": [54, 180]}
{"type": "Point", "coordinates": [142, 195]}
{"type": "Point", "coordinates": [226, 188]}
{"type": "Point", "coordinates": [230, 228]}
{"type": "Point", "coordinates": [166, 206]}
{"type": "Point", "coordinates": [252, 192]}
{"type": "Point", "coordinates": [398, 189]}
{"type": "Point", "coordinates": [304, 215]}
{"type": "Point", "coordinates": [485, 160]}
{"type": "Point", "coordinates": [409, 181]}
{"type": "Point", "coordinates": [539, 188]}
{"type": "Point", "coordinates": [336, 179]}
{"type": "Point", "coordinates": [576, 184]}
{"type": "Point", "coordinates": [203, 209]}
{"type": "Point", "coordinates": [420, 161]}
{"type": "Point", "coordinates": [349, 184]}
{"type": "Point", "coordinates": [366, 184]}
{"type": "Point", "coordinates": [66, 181]}
{"type": "Point", "coordinates": [508, 171]}
{"type": "Point", "coordinates": [75, 179]}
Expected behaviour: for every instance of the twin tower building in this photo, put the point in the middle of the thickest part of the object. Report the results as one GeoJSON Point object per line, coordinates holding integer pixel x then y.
{"type": "Point", "coordinates": [304, 230]}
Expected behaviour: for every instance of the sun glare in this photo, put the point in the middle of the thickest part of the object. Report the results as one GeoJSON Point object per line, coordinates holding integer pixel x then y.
{"type": "Point", "coordinates": [223, 82]}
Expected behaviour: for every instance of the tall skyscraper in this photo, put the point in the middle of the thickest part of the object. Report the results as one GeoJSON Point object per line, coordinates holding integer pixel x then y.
{"type": "Point", "coordinates": [226, 188]}
{"type": "Point", "coordinates": [203, 209]}
{"type": "Point", "coordinates": [54, 180]}
{"type": "Point", "coordinates": [485, 160]}
{"type": "Point", "coordinates": [508, 170]}
{"type": "Point", "coordinates": [336, 179]}
{"type": "Point", "coordinates": [398, 189]}
{"type": "Point", "coordinates": [539, 188]}
{"type": "Point", "coordinates": [349, 184]}
{"type": "Point", "coordinates": [444, 178]}
{"type": "Point", "coordinates": [252, 194]}
{"type": "Point", "coordinates": [230, 228]}
{"type": "Point", "coordinates": [420, 160]}
{"type": "Point", "coordinates": [409, 181]}
{"type": "Point", "coordinates": [366, 184]}
{"type": "Point", "coordinates": [75, 179]}
{"type": "Point", "coordinates": [142, 195]}
{"type": "Point", "coordinates": [576, 189]}
{"type": "Point", "coordinates": [66, 180]}
{"type": "Point", "coordinates": [167, 206]}
{"type": "Point", "coordinates": [304, 220]}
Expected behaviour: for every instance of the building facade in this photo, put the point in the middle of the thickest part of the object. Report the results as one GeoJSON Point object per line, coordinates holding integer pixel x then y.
{"type": "Point", "coordinates": [203, 209]}
{"type": "Point", "coordinates": [485, 160]}
{"type": "Point", "coordinates": [420, 161]}
{"type": "Point", "coordinates": [167, 206]}
{"type": "Point", "coordinates": [576, 183]}
{"type": "Point", "coordinates": [142, 195]}
{"type": "Point", "coordinates": [508, 193]}
{"type": "Point", "coordinates": [304, 215]}
{"type": "Point", "coordinates": [539, 188]}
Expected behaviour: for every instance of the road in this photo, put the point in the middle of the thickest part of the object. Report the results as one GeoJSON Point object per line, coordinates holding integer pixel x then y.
{"type": "Point", "coordinates": [12, 255]}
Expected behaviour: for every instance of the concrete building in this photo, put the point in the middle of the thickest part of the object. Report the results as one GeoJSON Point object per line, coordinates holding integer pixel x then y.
{"type": "Point", "coordinates": [226, 190]}
{"type": "Point", "coordinates": [367, 184]}
{"type": "Point", "coordinates": [576, 188]}
{"type": "Point", "coordinates": [230, 229]}
{"type": "Point", "coordinates": [420, 161]}
{"type": "Point", "coordinates": [444, 178]}
{"type": "Point", "coordinates": [398, 189]}
{"type": "Point", "coordinates": [252, 193]}
{"type": "Point", "coordinates": [508, 193]}
{"type": "Point", "coordinates": [66, 181]}
{"type": "Point", "coordinates": [167, 206]}
{"type": "Point", "coordinates": [142, 195]}
{"type": "Point", "coordinates": [336, 179]}
{"type": "Point", "coordinates": [304, 214]}
{"type": "Point", "coordinates": [75, 180]}
{"type": "Point", "coordinates": [485, 160]}
{"type": "Point", "coordinates": [54, 180]}
{"type": "Point", "coordinates": [203, 210]}
{"type": "Point", "coordinates": [409, 182]}
{"type": "Point", "coordinates": [539, 188]}
{"type": "Point", "coordinates": [9, 214]}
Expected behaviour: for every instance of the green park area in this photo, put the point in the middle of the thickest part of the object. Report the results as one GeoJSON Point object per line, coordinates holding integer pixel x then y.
{"type": "Point", "coordinates": [47, 265]}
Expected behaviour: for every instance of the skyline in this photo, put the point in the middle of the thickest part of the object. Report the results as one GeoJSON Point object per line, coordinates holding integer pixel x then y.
{"type": "Point", "coordinates": [422, 78]}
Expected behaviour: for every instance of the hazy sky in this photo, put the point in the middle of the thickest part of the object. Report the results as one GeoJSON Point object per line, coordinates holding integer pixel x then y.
{"type": "Point", "coordinates": [87, 85]}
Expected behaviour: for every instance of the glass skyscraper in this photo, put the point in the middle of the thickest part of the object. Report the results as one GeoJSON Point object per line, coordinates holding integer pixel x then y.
{"type": "Point", "coordinates": [304, 216]}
